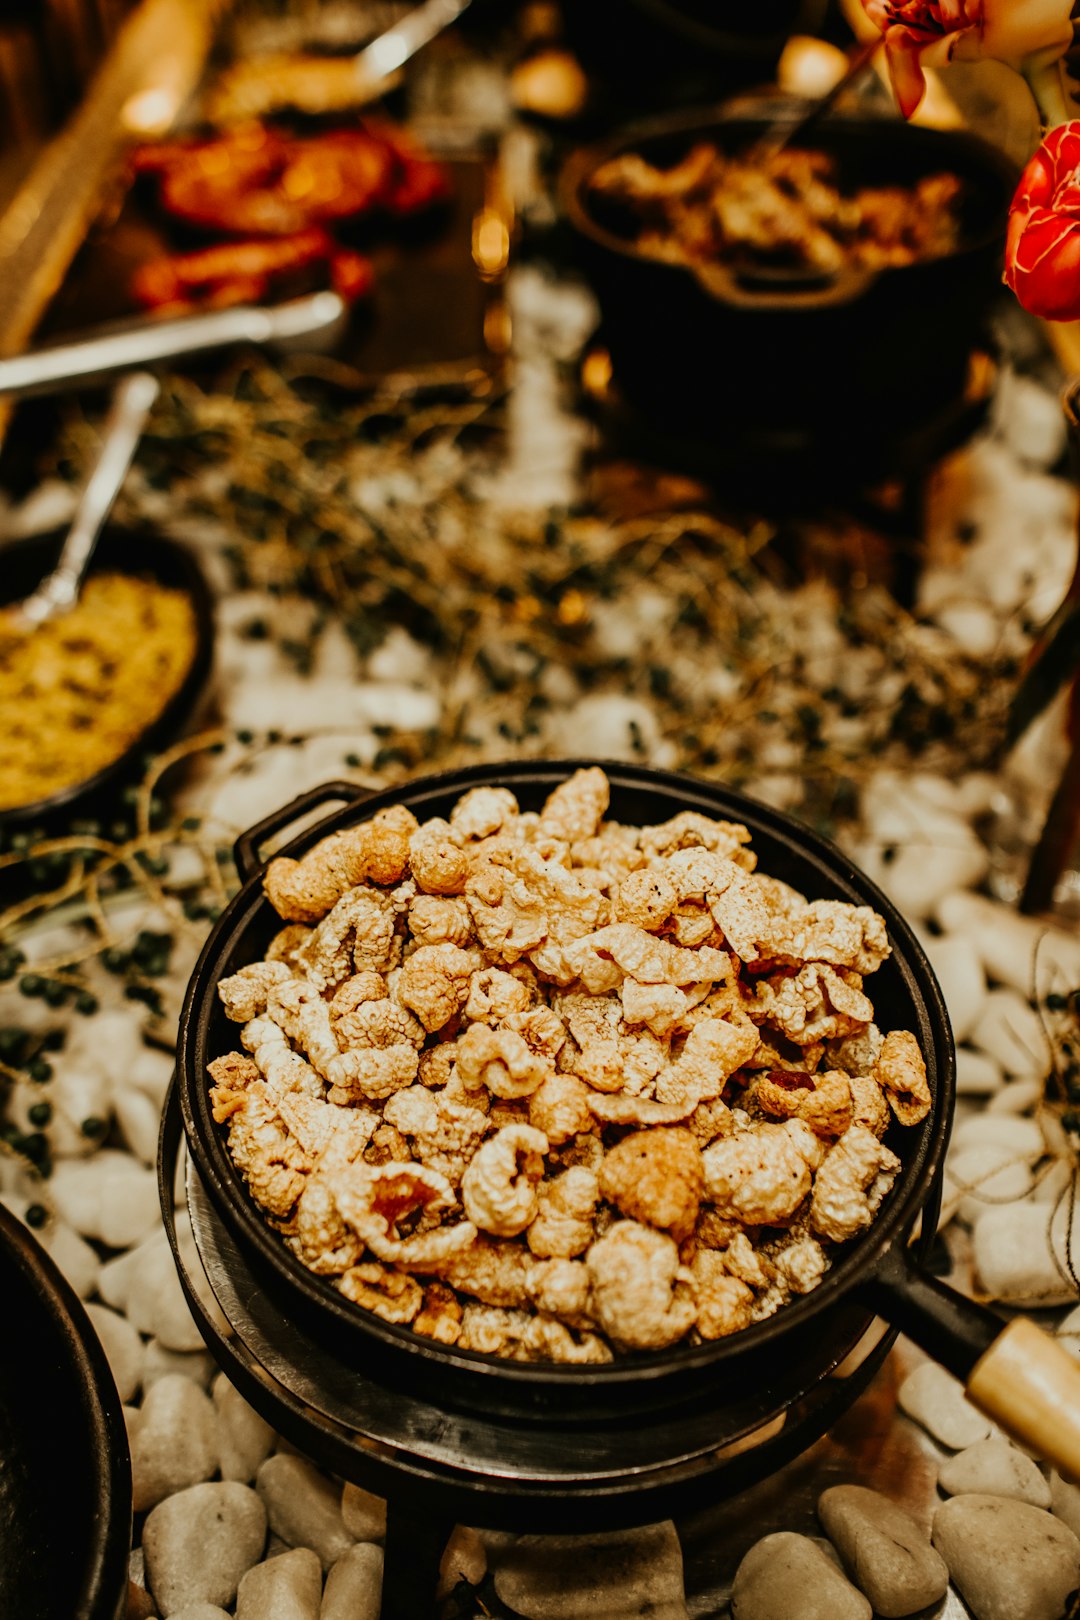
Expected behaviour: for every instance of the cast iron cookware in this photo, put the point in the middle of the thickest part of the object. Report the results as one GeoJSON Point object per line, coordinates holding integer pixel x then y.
{"type": "Point", "coordinates": [657, 52]}
{"type": "Point", "coordinates": [726, 351]}
{"type": "Point", "coordinates": [25, 563]}
{"type": "Point", "coordinates": [875, 1273]}
{"type": "Point", "coordinates": [65, 1475]}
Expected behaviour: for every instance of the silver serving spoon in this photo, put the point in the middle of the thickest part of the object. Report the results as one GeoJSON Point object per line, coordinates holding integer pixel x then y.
{"type": "Point", "coordinates": [132, 402]}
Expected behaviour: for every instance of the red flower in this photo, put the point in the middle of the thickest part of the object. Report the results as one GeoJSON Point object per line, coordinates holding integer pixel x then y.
{"type": "Point", "coordinates": [1042, 251]}
{"type": "Point", "coordinates": [1026, 34]}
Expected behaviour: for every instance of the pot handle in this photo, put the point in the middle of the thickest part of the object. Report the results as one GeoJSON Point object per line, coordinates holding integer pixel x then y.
{"type": "Point", "coordinates": [744, 290]}
{"type": "Point", "coordinates": [247, 851]}
{"type": "Point", "coordinates": [1014, 1372]}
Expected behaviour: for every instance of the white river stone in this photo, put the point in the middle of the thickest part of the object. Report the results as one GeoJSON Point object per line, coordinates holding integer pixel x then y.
{"type": "Point", "coordinates": [980, 1176]}
{"type": "Point", "coordinates": [198, 1365]}
{"type": "Point", "coordinates": [200, 1611]}
{"type": "Point", "coordinates": [139, 1118]}
{"type": "Point", "coordinates": [303, 1506]}
{"type": "Point", "coordinates": [1017, 951]}
{"type": "Point", "coordinates": [934, 1398]}
{"type": "Point", "coordinates": [122, 1345]}
{"type": "Point", "coordinates": [962, 979]}
{"type": "Point", "coordinates": [176, 1444]}
{"type": "Point", "coordinates": [977, 1073]}
{"type": "Point", "coordinates": [109, 1197]}
{"type": "Point", "coordinates": [1022, 1137]}
{"type": "Point", "coordinates": [1010, 1561]}
{"type": "Point", "coordinates": [353, 1589]}
{"type": "Point", "coordinates": [1013, 1256]}
{"type": "Point", "coordinates": [244, 1438]}
{"type": "Point", "coordinates": [886, 1553]}
{"type": "Point", "coordinates": [994, 1468]}
{"type": "Point", "coordinates": [615, 1575]}
{"type": "Point", "coordinates": [788, 1577]}
{"type": "Point", "coordinates": [363, 1514]}
{"type": "Point", "coordinates": [74, 1256]}
{"type": "Point", "coordinates": [1016, 1098]}
{"type": "Point", "coordinates": [1009, 1029]}
{"type": "Point", "coordinates": [1065, 1501]}
{"type": "Point", "coordinates": [199, 1543]}
{"type": "Point", "coordinates": [288, 1587]}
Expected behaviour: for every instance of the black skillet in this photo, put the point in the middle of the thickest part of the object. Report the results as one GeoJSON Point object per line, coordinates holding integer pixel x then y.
{"type": "Point", "coordinates": [875, 1274]}
{"type": "Point", "coordinates": [65, 1473]}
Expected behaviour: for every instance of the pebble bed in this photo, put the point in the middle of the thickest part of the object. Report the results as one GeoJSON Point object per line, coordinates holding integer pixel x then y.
{"type": "Point", "coordinates": [229, 1519]}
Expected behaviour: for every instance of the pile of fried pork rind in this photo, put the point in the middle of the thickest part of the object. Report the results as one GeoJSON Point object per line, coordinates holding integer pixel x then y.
{"type": "Point", "coordinates": [549, 1087]}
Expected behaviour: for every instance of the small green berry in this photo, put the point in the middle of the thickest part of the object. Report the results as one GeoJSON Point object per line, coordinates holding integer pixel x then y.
{"type": "Point", "coordinates": [86, 1004]}
{"type": "Point", "coordinates": [92, 1126]}
{"type": "Point", "coordinates": [53, 1040]}
{"type": "Point", "coordinates": [39, 1113]}
{"type": "Point", "coordinates": [39, 1070]}
{"type": "Point", "coordinates": [31, 984]}
{"type": "Point", "coordinates": [36, 1215]}
{"type": "Point", "coordinates": [54, 993]}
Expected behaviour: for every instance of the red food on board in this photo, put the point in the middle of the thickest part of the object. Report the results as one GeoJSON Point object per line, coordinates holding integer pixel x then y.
{"type": "Point", "coordinates": [243, 272]}
{"type": "Point", "coordinates": [1042, 249]}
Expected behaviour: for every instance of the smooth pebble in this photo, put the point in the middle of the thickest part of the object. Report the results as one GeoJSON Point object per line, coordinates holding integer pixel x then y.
{"type": "Point", "coordinates": [1009, 1029]}
{"type": "Point", "coordinates": [74, 1256]}
{"type": "Point", "coordinates": [363, 1514]}
{"type": "Point", "coordinates": [288, 1587]}
{"type": "Point", "coordinates": [353, 1589]}
{"type": "Point", "coordinates": [886, 1553]}
{"type": "Point", "coordinates": [1065, 1501]}
{"type": "Point", "coordinates": [962, 979]}
{"type": "Point", "coordinates": [994, 1468]}
{"type": "Point", "coordinates": [198, 1365]}
{"type": "Point", "coordinates": [303, 1506]}
{"type": "Point", "coordinates": [982, 1175]}
{"type": "Point", "coordinates": [139, 1118]}
{"type": "Point", "coordinates": [1014, 1259]}
{"type": "Point", "coordinates": [787, 1577]}
{"type": "Point", "coordinates": [122, 1346]}
{"type": "Point", "coordinates": [244, 1438]}
{"type": "Point", "coordinates": [176, 1443]}
{"type": "Point", "coordinates": [977, 1073]}
{"type": "Point", "coordinates": [617, 1575]}
{"type": "Point", "coordinates": [936, 1399]}
{"type": "Point", "coordinates": [199, 1543]}
{"type": "Point", "coordinates": [1009, 1560]}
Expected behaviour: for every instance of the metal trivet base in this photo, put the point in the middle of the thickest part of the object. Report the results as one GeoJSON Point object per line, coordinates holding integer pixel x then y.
{"type": "Point", "coordinates": [438, 1467]}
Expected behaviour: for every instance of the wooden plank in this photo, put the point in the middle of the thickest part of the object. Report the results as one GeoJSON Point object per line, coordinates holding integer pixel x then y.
{"type": "Point", "coordinates": [153, 66]}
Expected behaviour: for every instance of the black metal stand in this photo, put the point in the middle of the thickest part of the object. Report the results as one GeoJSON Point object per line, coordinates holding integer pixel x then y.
{"type": "Point", "coordinates": [415, 1543]}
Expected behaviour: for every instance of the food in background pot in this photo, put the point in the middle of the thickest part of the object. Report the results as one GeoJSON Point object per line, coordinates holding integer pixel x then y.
{"type": "Point", "coordinates": [781, 210]}
{"type": "Point", "coordinates": [550, 1087]}
{"type": "Point", "coordinates": [77, 691]}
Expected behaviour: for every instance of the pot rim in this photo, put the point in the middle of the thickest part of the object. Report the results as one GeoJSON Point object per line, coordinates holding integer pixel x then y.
{"type": "Point", "coordinates": [79, 1358]}
{"type": "Point", "coordinates": [582, 162]}
{"type": "Point", "coordinates": [853, 1264]}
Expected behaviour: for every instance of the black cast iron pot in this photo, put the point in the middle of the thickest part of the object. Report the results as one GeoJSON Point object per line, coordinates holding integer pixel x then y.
{"type": "Point", "coordinates": [875, 1274]}
{"type": "Point", "coordinates": [25, 563]}
{"type": "Point", "coordinates": [65, 1475]}
{"type": "Point", "coordinates": [856, 356]}
{"type": "Point", "coordinates": [658, 52]}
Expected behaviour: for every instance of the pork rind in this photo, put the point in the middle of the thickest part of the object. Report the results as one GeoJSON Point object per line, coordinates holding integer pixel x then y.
{"type": "Point", "coordinates": [545, 1086]}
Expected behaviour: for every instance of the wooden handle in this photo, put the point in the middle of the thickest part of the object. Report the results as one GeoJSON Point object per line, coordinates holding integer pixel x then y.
{"type": "Point", "coordinates": [1031, 1386]}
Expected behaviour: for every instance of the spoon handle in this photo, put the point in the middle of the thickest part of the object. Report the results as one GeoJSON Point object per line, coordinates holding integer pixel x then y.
{"type": "Point", "coordinates": [132, 402]}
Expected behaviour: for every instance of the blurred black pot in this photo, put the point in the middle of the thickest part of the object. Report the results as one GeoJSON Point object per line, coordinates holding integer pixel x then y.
{"type": "Point", "coordinates": [860, 355]}
{"type": "Point", "coordinates": [651, 53]}
{"type": "Point", "coordinates": [65, 1474]}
